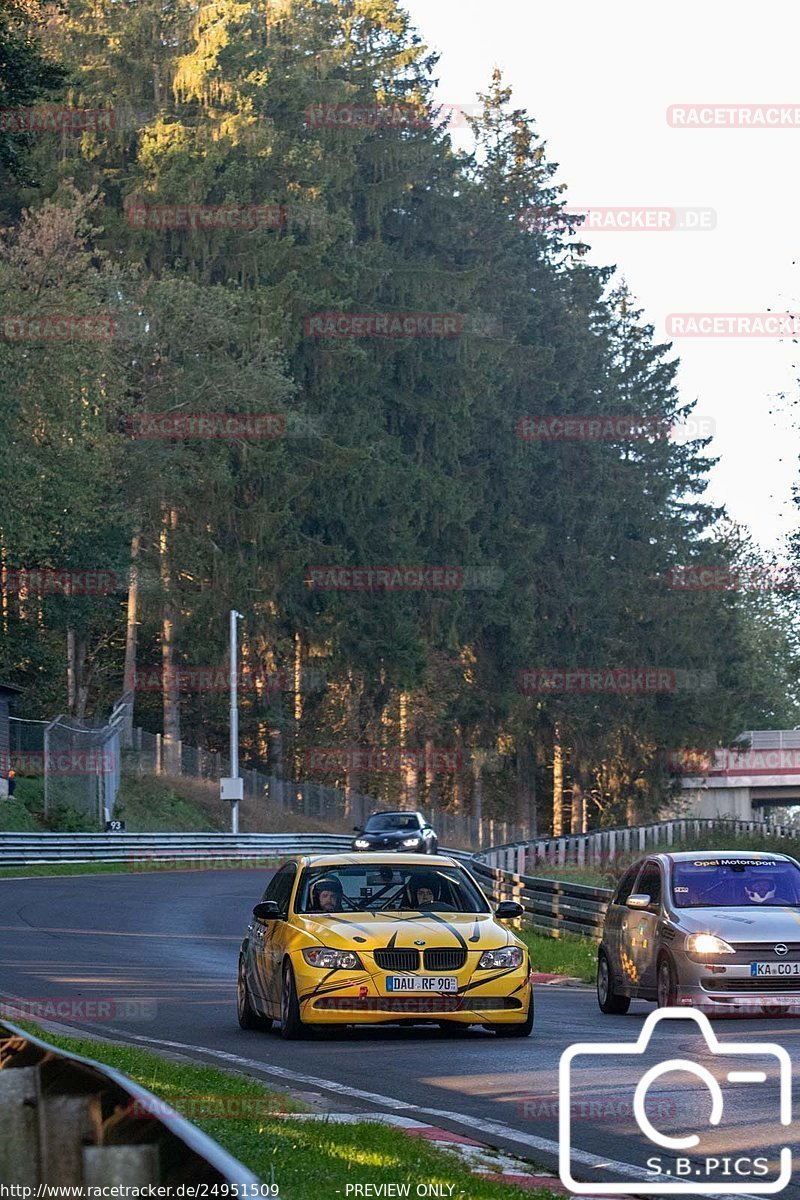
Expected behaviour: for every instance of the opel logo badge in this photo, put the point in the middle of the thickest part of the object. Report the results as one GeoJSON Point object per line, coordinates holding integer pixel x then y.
{"type": "Point", "coordinates": [781, 948]}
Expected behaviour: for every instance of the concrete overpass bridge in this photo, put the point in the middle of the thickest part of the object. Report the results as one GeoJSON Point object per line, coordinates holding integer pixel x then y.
{"type": "Point", "coordinates": [742, 783]}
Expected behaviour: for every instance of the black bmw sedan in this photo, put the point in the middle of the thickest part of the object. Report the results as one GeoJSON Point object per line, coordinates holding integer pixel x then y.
{"type": "Point", "coordinates": [405, 831]}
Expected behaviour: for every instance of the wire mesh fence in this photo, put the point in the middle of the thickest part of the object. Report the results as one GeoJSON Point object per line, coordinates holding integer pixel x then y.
{"type": "Point", "coordinates": [82, 763]}
{"type": "Point", "coordinates": [335, 807]}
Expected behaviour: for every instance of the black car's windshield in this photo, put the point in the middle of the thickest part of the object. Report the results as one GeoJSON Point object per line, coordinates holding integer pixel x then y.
{"type": "Point", "coordinates": [388, 888]}
{"type": "Point", "coordinates": [387, 821]}
{"type": "Point", "coordinates": [734, 883]}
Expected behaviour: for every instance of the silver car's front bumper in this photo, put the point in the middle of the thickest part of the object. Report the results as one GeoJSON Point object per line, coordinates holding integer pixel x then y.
{"type": "Point", "coordinates": [721, 987]}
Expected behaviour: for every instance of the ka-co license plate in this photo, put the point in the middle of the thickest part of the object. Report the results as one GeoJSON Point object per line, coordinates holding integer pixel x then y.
{"type": "Point", "coordinates": [771, 969]}
{"type": "Point", "coordinates": [422, 983]}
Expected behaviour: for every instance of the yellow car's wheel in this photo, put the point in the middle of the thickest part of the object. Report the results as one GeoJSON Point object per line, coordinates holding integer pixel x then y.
{"type": "Point", "coordinates": [292, 1026]}
{"type": "Point", "coordinates": [452, 1028]}
{"type": "Point", "coordinates": [248, 1017]}
{"type": "Point", "coordinates": [523, 1029]}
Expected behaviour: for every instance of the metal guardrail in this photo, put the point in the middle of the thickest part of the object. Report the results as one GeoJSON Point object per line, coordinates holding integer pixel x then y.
{"type": "Point", "coordinates": [586, 849]}
{"type": "Point", "coordinates": [550, 906]}
{"type": "Point", "coordinates": [141, 849]}
{"type": "Point", "coordinates": [70, 1120]}
{"type": "Point", "coordinates": [555, 907]}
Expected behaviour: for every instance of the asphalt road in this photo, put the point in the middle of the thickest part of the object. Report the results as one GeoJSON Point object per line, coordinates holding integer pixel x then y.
{"type": "Point", "coordinates": [157, 956]}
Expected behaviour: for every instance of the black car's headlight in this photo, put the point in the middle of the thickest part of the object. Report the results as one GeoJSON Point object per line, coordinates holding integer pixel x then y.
{"type": "Point", "coordinates": [333, 960]}
{"type": "Point", "coordinates": [508, 956]}
{"type": "Point", "coordinates": [412, 841]}
{"type": "Point", "coordinates": [362, 844]}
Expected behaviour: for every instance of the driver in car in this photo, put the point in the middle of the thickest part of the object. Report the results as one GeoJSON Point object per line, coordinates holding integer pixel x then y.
{"type": "Point", "coordinates": [760, 890]}
{"type": "Point", "coordinates": [326, 895]}
{"type": "Point", "coordinates": [425, 892]}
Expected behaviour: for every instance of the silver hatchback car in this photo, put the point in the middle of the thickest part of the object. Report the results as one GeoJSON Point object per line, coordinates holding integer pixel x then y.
{"type": "Point", "coordinates": [716, 930]}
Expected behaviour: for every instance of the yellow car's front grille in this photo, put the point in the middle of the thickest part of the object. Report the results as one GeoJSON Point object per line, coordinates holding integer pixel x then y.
{"type": "Point", "coordinates": [444, 959]}
{"type": "Point", "coordinates": [397, 960]}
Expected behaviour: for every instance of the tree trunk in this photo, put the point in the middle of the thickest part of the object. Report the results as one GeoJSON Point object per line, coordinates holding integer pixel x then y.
{"type": "Point", "coordinates": [131, 636]}
{"type": "Point", "coordinates": [169, 682]}
{"type": "Point", "coordinates": [558, 784]}
{"type": "Point", "coordinates": [526, 784]}
{"type": "Point", "coordinates": [81, 678]}
{"type": "Point", "coordinates": [477, 795]}
{"type": "Point", "coordinates": [578, 812]}
{"type": "Point", "coordinates": [71, 688]}
{"type": "Point", "coordinates": [408, 768]}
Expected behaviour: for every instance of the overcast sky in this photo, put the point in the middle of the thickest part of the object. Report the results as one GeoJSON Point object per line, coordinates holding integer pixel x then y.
{"type": "Point", "coordinates": [599, 80]}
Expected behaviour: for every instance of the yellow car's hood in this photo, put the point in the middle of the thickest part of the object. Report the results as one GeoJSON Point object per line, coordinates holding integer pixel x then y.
{"type": "Point", "coordinates": [351, 931]}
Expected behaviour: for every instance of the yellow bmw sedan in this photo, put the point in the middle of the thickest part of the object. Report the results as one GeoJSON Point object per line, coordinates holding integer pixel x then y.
{"type": "Point", "coordinates": [370, 938]}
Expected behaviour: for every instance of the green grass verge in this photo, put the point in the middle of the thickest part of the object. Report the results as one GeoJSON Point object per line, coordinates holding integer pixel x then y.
{"type": "Point", "coordinates": [307, 1159]}
{"type": "Point", "coordinates": [565, 955]}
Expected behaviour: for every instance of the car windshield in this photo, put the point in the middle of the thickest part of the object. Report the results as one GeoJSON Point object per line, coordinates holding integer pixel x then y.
{"type": "Point", "coordinates": [378, 887]}
{"type": "Point", "coordinates": [735, 883]}
{"type": "Point", "coordinates": [384, 821]}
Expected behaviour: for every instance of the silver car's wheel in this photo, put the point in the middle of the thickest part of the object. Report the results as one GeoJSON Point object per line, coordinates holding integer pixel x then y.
{"type": "Point", "coordinates": [667, 984]}
{"type": "Point", "coordinates": [608, 999]}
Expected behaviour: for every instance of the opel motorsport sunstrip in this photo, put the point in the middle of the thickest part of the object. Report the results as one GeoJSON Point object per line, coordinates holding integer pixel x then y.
{"type": "Point", "coordinates": [716, 930]}
{"type": "Point", "coordinates": [370, 938]}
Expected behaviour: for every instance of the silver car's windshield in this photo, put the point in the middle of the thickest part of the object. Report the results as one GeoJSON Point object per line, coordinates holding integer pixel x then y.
{"type": "Point", "coordinates": [735, 883]}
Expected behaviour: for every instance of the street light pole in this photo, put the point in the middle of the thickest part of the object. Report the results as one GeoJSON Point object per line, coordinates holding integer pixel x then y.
{"type": "Point", "coordinates": [235, 616]}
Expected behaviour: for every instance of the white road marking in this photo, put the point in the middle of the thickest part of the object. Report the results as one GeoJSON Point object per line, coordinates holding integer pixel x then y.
{"type": "Point", "coordinates": [546, 1145]}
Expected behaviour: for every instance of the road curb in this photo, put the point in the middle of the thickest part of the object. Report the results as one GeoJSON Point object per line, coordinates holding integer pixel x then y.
{"type": "Point", "coordinates": [481, 1159]}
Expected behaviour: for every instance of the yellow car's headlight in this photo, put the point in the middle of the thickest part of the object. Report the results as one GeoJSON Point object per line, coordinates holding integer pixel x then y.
{"type": "Point", "coordinates": [333, 960]}
{"type": "Point", "coordinates": [707, 943]}
{"type": "Point", "coordinates": [508, 956]}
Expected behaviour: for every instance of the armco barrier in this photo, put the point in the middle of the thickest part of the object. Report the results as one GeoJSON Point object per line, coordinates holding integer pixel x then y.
{"type": "Point", "coordinates": [22, 849]}
{"type": "Point", "coordinates": [69, 1120]}
{"type": "Point", "coordinates": [550, 906]}
{"type": "Point", "coordinates": [585, 849]}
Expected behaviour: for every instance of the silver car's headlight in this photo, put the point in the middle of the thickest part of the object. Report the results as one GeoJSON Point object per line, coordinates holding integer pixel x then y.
{"type": "Point", "coordinates": [332, 960]}
{"type": "Point", "coordinates": [707, 943]}
{"type": "Point", "coordinates": [361, 844]}
{"type": "Point", "coordinates": [509, 956]}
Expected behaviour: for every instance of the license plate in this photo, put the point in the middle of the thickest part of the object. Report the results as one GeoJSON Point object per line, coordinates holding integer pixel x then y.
{"type": "Point", "coordinates": [422, 983]}
{"type": "Point", "coordinates": [772, 969]}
